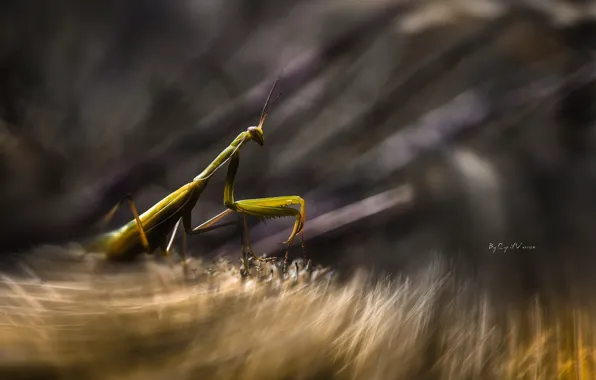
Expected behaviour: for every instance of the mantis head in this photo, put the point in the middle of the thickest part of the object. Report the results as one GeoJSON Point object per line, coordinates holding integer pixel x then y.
{"type": "Point", "coordinates": [256, 133]}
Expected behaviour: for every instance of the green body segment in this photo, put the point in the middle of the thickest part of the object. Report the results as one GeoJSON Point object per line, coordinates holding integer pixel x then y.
{"type": "Point", "coordinates": [224, 156]}
{"type": "Point", "coordinates": [159, 221]}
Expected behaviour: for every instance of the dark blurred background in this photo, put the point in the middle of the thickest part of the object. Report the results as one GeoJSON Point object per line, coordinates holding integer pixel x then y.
{"type": "Point", "coordinates": [411, 128]}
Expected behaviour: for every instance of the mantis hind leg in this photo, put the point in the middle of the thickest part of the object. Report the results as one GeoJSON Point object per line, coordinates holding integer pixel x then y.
{"type": "Point", "coordinates": [133, 208]}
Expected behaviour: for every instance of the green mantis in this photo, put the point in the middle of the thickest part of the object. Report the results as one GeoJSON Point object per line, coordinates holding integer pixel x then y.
{"type": "Point", "coordinates": [148, 232]}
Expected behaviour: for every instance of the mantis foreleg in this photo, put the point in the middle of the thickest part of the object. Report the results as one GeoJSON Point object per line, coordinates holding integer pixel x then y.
{"type": "Point", "coordinates": [274, 207]}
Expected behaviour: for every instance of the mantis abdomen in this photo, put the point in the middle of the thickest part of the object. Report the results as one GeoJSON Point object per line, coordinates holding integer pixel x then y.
{"type": "Point", "coordinates": [125, 243]}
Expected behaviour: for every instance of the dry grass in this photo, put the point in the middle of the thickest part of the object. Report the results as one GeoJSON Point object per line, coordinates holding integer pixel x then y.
{"type": "Point", "coordinates": [88, 320]}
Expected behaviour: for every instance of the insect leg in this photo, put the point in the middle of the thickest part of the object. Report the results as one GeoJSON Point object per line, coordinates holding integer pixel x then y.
{"type": "Point", "coordinates": [210, 226]}
{"type": "Point", "coordinates": [133, 208]}
{"type": "Point", "coordinates": [198, 230]}
{"type": "Point", "coordinates": [248, 245]}
{"type": "Point", "coordinates": [166, 251]}
{"type": "Point", "coordinates": [277, 207]}
{"type": "Point", "coordinates": [274, 207]}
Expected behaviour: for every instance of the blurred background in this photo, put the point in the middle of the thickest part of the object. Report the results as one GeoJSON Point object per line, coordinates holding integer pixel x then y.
{"type": "Point", "coordinates": [411, 128]}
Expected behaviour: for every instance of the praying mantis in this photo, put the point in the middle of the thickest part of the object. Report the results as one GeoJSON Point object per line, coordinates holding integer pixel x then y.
{"type": "Point", "coordinates": [148, 232]}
